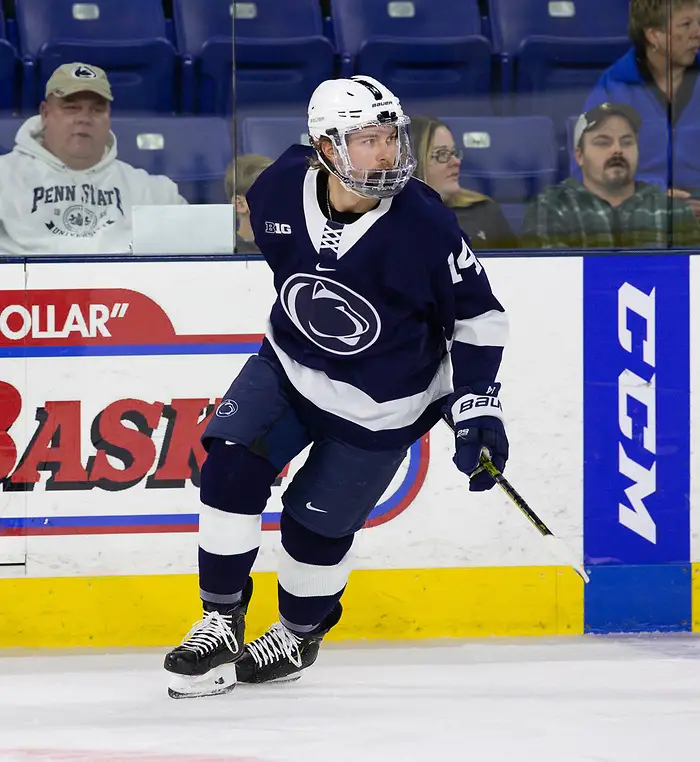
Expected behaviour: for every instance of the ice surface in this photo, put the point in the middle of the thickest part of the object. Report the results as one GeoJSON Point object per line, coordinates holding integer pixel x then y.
{"type": "Point", "coordinates": [626, 699]}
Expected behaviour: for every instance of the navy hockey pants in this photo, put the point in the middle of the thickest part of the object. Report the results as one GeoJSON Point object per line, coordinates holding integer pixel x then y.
{"type": "Point", "coordinates": [254, 433]}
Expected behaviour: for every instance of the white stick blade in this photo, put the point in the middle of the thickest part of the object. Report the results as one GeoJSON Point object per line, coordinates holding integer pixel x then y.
{"type": "Point", "coordinates": [563, 552]}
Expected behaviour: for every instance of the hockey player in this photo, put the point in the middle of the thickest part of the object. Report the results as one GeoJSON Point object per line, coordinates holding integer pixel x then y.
{"type": "Point", "coordinates": [384, 321]}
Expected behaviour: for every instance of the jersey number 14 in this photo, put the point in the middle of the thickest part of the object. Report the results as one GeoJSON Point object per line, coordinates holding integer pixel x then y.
{"type": "Point", "coordinates": [466, 259]}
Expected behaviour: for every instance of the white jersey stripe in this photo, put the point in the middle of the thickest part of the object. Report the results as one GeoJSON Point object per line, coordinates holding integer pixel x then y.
{"type": "Point", "coordinates": [487, 330]}
{"type": "Point", "coordinates": [352, 404]}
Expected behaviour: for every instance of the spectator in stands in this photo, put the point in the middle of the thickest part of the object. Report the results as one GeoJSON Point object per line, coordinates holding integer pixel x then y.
{"type": "Point", "coordinates": [659, 77]}
{"type": "Point", "coordinates": [62, 189]}
{"type": "Point", "coordinates": [438, 165]}
{"type": "Point", "coordinates": [609, 209]}
{"type": "Point", "coordinates": [248, 167]}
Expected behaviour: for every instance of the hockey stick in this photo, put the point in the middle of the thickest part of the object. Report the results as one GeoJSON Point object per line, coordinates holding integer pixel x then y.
{"type": "Point", "coordinates": [557, 545]}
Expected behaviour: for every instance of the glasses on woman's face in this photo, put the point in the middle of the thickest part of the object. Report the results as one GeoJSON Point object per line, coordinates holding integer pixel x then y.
{"type": "Point", "coordinates": [443, 155]}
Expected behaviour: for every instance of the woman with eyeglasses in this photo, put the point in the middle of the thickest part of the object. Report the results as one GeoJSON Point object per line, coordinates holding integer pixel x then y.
{"type": "Point", "coordinates": [479, 216]}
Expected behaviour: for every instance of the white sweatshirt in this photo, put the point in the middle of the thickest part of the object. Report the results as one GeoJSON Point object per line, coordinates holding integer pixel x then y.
{"type": "Point", "coordinates": [48, 208]}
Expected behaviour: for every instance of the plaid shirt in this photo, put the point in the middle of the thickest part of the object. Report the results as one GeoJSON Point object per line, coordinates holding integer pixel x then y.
{"type": "Point", "coordinates": [568, 215]}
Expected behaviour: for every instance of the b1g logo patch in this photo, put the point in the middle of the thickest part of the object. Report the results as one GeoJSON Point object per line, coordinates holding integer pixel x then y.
{"type": "Point", "coordinates": [278, 228]}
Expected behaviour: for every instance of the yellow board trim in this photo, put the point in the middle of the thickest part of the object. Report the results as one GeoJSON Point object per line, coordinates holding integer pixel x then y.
{"type": "Point", "coordinates": [695, 592]}
{"type": "Point", "coordinates": [399, 604]}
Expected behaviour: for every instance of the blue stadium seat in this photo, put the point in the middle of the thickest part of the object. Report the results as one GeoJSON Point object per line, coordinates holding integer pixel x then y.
{"type": "Point", "coordinates": [271, 136]}
{"type": "Point", "coordinates": [281, 55]}
{"type": "Point", "coordinates": [510, 158]}
{"type": "Point", "coordinates": [552, 53]}
{"type": "Point", "coordinates": [194, 151]}
{"type": "Point", "coordinates": [8, 129]}
{"type": "Point", "coordinates": [9, 70]}
{"type": "Point", "coordinates": [421, 49]}
{"type": "Point", "coordinates": [127, 38]}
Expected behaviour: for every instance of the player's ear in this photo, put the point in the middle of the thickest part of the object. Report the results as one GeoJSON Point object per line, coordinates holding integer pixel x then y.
{"type": "Point", "coordinates": [578, 155]}
{"type": "Point", "coordinates": [326, 148]}
{"type": "Point", "coordinates": [241, 205]}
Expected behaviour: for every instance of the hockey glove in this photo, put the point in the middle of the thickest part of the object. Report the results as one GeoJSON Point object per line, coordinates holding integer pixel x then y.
{"type": "Point", "coordinates": [477, 419]}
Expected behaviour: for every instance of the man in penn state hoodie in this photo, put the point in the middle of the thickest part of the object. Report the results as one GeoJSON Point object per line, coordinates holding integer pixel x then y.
{"type": "Point", "coordinates": [62, 188]}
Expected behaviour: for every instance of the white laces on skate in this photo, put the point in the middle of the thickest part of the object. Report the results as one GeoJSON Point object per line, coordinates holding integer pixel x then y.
{"type": "Point", "coordinates": [278, 642]}
{"type": "Point", "coordinates": [208, 633]}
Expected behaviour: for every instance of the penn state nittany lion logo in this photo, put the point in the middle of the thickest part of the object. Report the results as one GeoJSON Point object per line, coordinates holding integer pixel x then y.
{"type": "Point", "coordinates": [331, 315]}
{"type": "Point", "coordinates": [227, 408]}
{"type": "Point", "coordinates": [84, 72]}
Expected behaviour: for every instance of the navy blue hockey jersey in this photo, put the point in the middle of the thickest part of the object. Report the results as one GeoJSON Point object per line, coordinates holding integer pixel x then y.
{"type": "Point", "coordinates": [378, 321]}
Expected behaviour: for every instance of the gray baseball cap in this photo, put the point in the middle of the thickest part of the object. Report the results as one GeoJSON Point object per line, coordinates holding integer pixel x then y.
{"type": "Point", "coordinates": [597, 114]}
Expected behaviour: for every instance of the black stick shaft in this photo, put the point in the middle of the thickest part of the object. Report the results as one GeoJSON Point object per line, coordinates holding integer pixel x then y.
{"type": "Point", "coordinates": [515, 496]}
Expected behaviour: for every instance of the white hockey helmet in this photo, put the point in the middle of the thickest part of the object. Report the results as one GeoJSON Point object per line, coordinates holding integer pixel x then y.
{"type": "Point", "coordinates": [342, 106]}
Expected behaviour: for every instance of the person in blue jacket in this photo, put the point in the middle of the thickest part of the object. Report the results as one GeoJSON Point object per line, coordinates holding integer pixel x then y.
{"type": "Point", "coordinates": [659, 78]}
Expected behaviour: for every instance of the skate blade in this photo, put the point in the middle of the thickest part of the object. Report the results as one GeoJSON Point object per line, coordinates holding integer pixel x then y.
{"type": "Point", "coordinates": [276, 681]}
{"type": "Point", "coordinates": [217, 681]}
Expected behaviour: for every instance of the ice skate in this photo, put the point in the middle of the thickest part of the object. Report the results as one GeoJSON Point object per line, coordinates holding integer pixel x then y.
{"type": "Point", "coordinates": [204, 663]}
{"type": "Point", "coordinates": [280, 655]}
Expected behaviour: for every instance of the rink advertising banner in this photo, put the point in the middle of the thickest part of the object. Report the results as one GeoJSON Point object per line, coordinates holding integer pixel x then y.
{"type": "Point", "coordinates": [110, 370]}
{"type": "Point", "coordinates": [108, 374]}
{"type": "Point", "coordinates": [117, 444]}
{"type": "Point", "coordinates": [637, 443]}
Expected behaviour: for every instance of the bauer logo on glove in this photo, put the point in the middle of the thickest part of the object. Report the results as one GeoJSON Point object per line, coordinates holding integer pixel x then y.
{"type": "Point", "coordinates": [479, 402]}
{"type": "Point", "coordinates": [477, 420]}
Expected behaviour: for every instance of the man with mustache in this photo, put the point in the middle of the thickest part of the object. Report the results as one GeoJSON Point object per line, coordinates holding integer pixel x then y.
{"type": "Point", "coordinates": [608, 208]}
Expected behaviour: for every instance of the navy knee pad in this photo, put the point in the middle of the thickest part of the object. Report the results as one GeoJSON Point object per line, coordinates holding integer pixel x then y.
{"type": "Point", "coordinates": [308, 547]}
{"type": "Point", "coordinates": [235, 480]}
{"type": "Point", "coordinates": [338, 486]}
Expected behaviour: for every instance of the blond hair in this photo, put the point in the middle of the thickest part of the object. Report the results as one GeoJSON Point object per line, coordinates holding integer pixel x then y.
{"type": "Point", "coordinates": [248, 167]}
{"type": "Point", "coordinates": [652, 14]}
{"type": "Point", "coordinates": [422, 138]}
